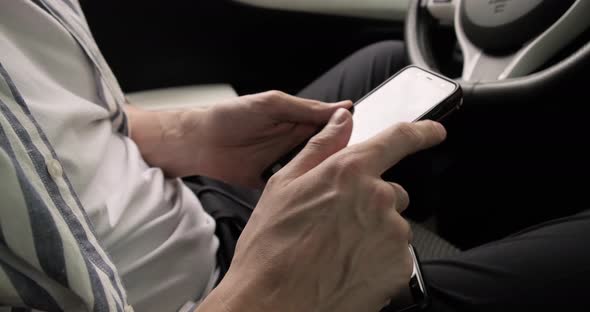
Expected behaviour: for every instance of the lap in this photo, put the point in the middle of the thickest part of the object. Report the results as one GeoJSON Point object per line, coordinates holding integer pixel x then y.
{"type": "Point", "coordinates": [539, 267]}
{"type": "Point", "coordinates": [544, 267]}
{"type": "Point", "coordinates": [358, 74]}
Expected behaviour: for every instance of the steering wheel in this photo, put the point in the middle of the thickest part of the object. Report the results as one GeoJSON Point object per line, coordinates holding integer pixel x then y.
{"type": "Point", "coordinates": [505, 43]}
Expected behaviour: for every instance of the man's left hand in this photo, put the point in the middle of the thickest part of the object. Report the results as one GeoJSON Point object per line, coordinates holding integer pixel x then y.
{"type": "Point", "coordinates": [233, 141]}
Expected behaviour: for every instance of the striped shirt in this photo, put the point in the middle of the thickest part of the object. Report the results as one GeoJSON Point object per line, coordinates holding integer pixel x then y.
{"type": "Point", "coordinates": [50, 259]}
{"type": "Point", "coordinates": [52, 256]}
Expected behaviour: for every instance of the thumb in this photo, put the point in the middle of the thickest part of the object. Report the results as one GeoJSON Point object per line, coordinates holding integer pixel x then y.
{"type": "Point", "coordinates": [333, 138]}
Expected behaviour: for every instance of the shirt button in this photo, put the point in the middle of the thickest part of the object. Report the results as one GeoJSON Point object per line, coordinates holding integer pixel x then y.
{"type": "Point", "coordinates": [54, 168]}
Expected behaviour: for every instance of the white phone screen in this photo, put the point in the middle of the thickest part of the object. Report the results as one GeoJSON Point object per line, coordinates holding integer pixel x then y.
{"type": "Point", "coordinates": [405, 98]}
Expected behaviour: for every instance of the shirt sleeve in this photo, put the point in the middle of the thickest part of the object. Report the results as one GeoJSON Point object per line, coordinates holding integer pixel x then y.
{"type": "Point", "coordinates": [21, 284]}
{"type": "Point", "coordinates": [50, 259]}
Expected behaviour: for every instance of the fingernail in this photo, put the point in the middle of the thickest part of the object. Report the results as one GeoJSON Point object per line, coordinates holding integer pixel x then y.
{"type": "Point", "coordinates": [338, 117]}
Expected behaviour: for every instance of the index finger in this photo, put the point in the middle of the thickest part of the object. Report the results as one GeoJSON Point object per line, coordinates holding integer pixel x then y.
{"type": "Point", "coordinates": [294, 109]}
{"type": "Point", "coordinates": [390, 146]}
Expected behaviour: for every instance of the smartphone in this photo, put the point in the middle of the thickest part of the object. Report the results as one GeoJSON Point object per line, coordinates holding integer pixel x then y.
{"type": "Point", "coordinates": [410, 95]}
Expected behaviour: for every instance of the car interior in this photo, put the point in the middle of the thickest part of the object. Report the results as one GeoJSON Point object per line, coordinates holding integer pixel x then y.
{"type": "Point", "coordinates": [515, 151]}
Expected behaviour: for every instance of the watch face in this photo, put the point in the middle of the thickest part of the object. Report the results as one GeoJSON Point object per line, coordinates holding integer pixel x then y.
{"type": "Point", "coordinates": [414, 297]}
{"type": "Point", "coordinates": [417, 286]}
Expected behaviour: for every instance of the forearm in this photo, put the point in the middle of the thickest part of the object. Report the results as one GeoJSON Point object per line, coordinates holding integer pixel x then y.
{"type": "Point", "coordinates": [161, 137]}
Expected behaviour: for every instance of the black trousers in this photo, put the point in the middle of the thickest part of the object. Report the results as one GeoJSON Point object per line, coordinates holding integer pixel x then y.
{"type": "Point", "coordinates": [545, 267]}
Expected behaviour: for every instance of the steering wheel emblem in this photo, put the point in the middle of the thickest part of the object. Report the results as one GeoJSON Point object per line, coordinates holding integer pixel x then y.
{"type": "Point", "coordinates": [498, 5]}
{"type": "Point", "coordinates": [497, 13]}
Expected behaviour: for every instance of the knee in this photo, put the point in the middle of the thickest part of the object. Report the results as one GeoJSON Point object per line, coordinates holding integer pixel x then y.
{"type": "Point", "coordinates": [386, 48]}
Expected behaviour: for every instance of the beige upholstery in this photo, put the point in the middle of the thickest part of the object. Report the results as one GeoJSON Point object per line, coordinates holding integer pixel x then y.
{"type": "Point", "coordinates": [392, 10]}
{"type": "Point", "coordinates": [182, 97]}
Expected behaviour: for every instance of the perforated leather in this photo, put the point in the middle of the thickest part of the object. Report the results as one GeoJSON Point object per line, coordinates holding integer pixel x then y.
{"type": "Point", "coordinates": [430, 246]}
{"type": "Point", "coordinates": [187, 97]}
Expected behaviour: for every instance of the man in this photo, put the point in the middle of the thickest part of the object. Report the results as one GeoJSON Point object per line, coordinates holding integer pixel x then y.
{"type": "Point", "coordinates": [94, 217]}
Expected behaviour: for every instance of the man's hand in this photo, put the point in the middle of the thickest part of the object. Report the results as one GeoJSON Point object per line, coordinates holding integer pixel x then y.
{"type": "Point", "coordinates": [327, 234]}
{"type": "Point", "coordinates": [243, 137]}
{"type": "Point", "coordinates": [234, 141]}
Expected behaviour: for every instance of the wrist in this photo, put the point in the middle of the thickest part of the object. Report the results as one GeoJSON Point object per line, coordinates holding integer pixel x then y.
{"type": "Point", "coordinates": [239, 294]}
{"type": "Point", "coordinates": [167, 139]}
{"type": "Point", "coordinates": [183, 141]}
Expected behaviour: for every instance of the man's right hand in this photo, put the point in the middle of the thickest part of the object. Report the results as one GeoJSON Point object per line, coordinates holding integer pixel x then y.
{"type": "Point", "coordinates": [327, 234]}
